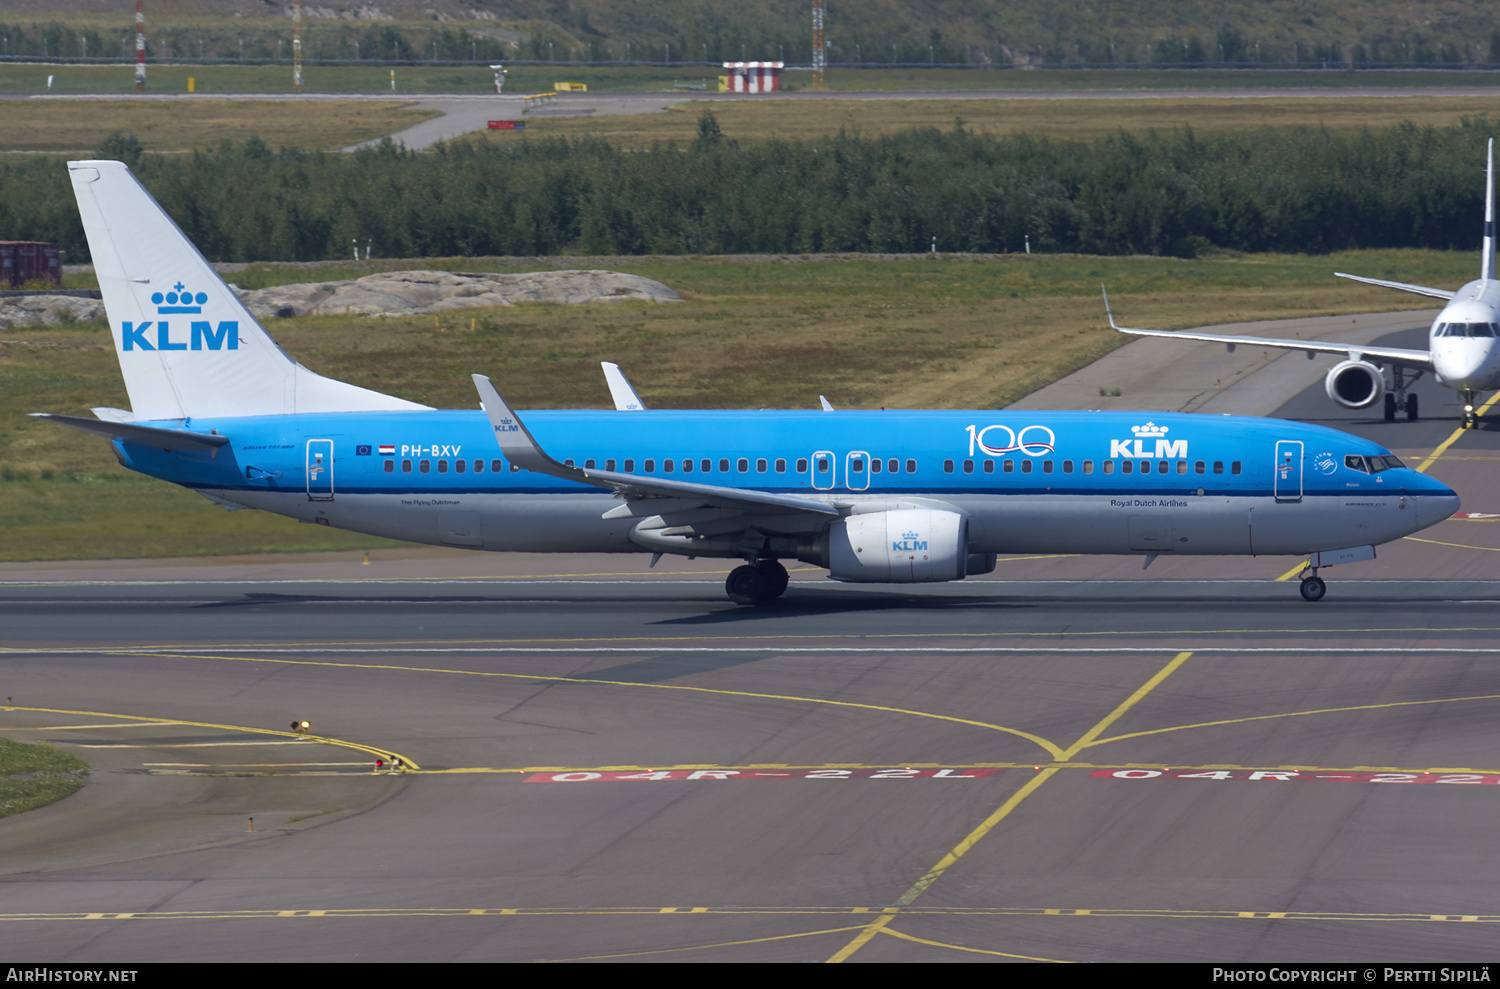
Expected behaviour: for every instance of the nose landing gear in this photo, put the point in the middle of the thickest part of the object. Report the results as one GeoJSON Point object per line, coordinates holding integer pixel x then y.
{"type": "Point", "coordinates": [1313, 587]}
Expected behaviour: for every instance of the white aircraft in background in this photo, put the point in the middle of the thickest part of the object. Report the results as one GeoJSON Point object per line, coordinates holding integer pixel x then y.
{"type": "Point", "coordinates": [1463, 345]}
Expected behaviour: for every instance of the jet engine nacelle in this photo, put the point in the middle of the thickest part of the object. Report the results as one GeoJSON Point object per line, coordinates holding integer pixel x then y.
{"type": "Point", "coordinates": [903, 546]}
{"type": "Point", "coordinates": [1355, 384]}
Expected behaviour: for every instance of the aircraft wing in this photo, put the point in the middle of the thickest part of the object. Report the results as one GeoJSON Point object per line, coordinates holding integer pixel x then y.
{"type": "Point", "coordinates": [1436, 293]}
{"type": "Point", "coordinates": [522, 449]}
{"type": "Point", "coordinates": [1401, 357]}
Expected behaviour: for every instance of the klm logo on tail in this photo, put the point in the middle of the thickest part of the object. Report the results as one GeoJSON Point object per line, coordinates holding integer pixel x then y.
{"type": "Point", "coordinates": [203, 335]}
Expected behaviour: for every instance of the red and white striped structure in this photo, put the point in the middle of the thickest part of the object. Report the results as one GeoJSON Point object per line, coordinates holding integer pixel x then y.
{"type": "Point", "coordinates": [754, 77]}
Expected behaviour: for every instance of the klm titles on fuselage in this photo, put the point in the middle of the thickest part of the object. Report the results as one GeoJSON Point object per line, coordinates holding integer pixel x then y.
{"type": "Point", "coordinates": [202, 334]}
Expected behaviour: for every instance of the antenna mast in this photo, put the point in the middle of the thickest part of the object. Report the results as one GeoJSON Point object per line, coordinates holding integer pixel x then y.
{"type": "Point", "coordinates": [140, 47]}
{"type": "Point", "coordinates": [820, 57]}
{"type": "Point", "coordinates": [297, 46]}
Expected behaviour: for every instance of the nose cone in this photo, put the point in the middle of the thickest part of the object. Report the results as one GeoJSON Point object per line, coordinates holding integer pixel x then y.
{"type": "Point", "coordinates": [1465, 364]}
{"type": "Point", "coordinates": [1433, 505]}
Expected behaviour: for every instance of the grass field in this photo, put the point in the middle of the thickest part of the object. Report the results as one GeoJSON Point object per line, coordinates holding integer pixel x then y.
{"type": "Point", "coordinates": [941, 332]}
{"type": "Point", "coordinates": [1073, 119]}
{"type": "Point", "coordinates": [78, 126]}
{"type": "Point", "coordinates": [34, 775]}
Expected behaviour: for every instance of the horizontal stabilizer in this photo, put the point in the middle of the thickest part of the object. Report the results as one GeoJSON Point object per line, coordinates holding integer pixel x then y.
{"type": "Point", "coordinates": [164, 439]}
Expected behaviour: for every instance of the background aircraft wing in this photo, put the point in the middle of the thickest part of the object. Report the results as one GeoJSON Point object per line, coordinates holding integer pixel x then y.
{"type": "Point", "coordinates": [522, 449]}
{"type": "Point", "coordinates": [1398, 356]}
{"type": "Point", "coordinates": [1436, 293]}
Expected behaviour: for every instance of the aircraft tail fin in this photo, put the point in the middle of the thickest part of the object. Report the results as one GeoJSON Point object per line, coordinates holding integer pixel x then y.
{"type": "Point", "coordinates": [1487, 257]}
{"type": "Point", "coordinates": [186, 344]}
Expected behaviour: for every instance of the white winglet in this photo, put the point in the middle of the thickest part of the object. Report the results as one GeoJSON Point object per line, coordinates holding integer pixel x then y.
{"type": "Point", "coordinates": [827, 405]}
{"type": "Point", "coordinates": [626, 400]}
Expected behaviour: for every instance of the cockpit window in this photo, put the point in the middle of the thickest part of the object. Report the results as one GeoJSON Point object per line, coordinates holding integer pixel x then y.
{"type": "Point", "coordinates": [1372, 465]}
{"type": "Point", "coordinates": [1467, 330]}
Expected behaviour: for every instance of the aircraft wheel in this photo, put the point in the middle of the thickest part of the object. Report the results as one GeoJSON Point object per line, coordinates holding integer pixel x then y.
{"type": "Point", "coordinates": [776, 577]}
{"type": "Point", "coordinates": [1313, 588]}
{"type": "Point", "coordinates": [1390, 408]}
{"type": "Point", "coordinates": [749, 585]}
{"type": "Point", "coordinates": [1411, 407]}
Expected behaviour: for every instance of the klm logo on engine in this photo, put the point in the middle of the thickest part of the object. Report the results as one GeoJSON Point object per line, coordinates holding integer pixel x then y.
{"type": "Point", "coordinates": [909, 542]}
{"type": "Point", "coordinates": [202, 334]}
{"type": "Point", "coordinates": [1148, 434]}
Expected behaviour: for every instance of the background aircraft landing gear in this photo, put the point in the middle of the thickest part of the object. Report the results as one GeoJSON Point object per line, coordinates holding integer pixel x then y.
{"type": "Point", "coordinates": [1390, 407]}
{"type": "Point", "coordinates": [1313, 588]}
{"type": "Point", "coordinates": [756, 584]}
{"type": "Point", "coordinates": [1411, 407]}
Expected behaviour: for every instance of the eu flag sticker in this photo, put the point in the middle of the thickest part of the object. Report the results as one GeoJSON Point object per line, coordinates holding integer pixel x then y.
{"type": "Point", "coordinates": [362, 451]}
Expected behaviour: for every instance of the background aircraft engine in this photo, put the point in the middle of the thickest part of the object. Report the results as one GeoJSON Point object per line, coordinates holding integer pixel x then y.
{"type": "Point", "coordinates": [905, 546]}
{"type": "Point", "coordinates": [1355, 384]}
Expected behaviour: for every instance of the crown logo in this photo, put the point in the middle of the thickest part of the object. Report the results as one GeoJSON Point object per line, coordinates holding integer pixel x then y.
{"type": "Point", "coordinates": [911, 535]}
{"type": "Point", "coordinates": [179, 300]}
{"type": "Point", "coordinates": [1149, 431]}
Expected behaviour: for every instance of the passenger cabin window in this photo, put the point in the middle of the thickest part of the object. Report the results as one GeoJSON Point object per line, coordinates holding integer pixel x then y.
{"type": "Point", "coordinates": [1009, 466]}
{"type": "Point", "coordinates": [650, 467]}
{"type": "Point", "coordinates": [874, 465]}
{"type": "Point", "coordinates": [667, 465]}
{"type": "Point", "coordinates": [894, 466]}
{"type": "Point", "coordinates": [687, 466]}
{"type": "Point", "coordinates": [406, 466]}
{"type": "Point", "coordinates": [707, 465]}
{"type": "Point", "coordinates": [609, 464]}
{"type": "Point", "coordinates": [1046, 466]}
{"type": "Point", "coordinates": [801, 465]}
{"type": "Point", "coordinates": [1234, 468]}
{"type": "Point", "coordinates": [588, 464]}
{"type": "Point", "coordinates": [1109, 466]}
{"type": "Point", "coordinates": [911, 466]}
{"type": "Point", "coordinates": [630, 465]}
{"type": "Point", "coordinates": [390, 466]}
{"type": "Point", "coordinates": [479, 466]}
{"type": "Point", "coordinates": [1126, 466]}
{"type": "Point", "coordinates": [442, 466]}
{"type": "Point", "coordinates": [743, 466]}
{"type": "Point", "coordinates": [989, 466]}
{"type": "Point", "coordinates": [425, 466]}
{"type": "Point", "coordinates": [1026, 467]}
{"type": "Point", "coordinates": [1088, 466]}
{"type": "Point", "coordinates": [968, 466]}
{"type": "Point", "coordinates": [760, 466]}
{"type": "Point", "coordinates": [947, 466]}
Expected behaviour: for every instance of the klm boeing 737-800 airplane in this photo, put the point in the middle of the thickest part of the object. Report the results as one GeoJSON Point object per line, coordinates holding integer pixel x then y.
{"type": "Point", "coordinates": [1463, 343]}
{"type": "Point", "coordinates": [881, 497]}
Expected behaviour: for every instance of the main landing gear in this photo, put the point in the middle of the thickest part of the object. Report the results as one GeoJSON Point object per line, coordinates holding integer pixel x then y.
{"type": "Point", "coordinates": [1394, 405]}
{"type": "Point", "coordinates": [758, 583]}
{"type": "Point", "coordinates": [1313, 587]}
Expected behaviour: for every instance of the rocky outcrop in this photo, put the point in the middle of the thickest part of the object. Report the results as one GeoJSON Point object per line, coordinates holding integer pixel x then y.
{"type": "Point", "coordinates": [28, 310]}
{"type": "Point", "coordinates": [415, 293]}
